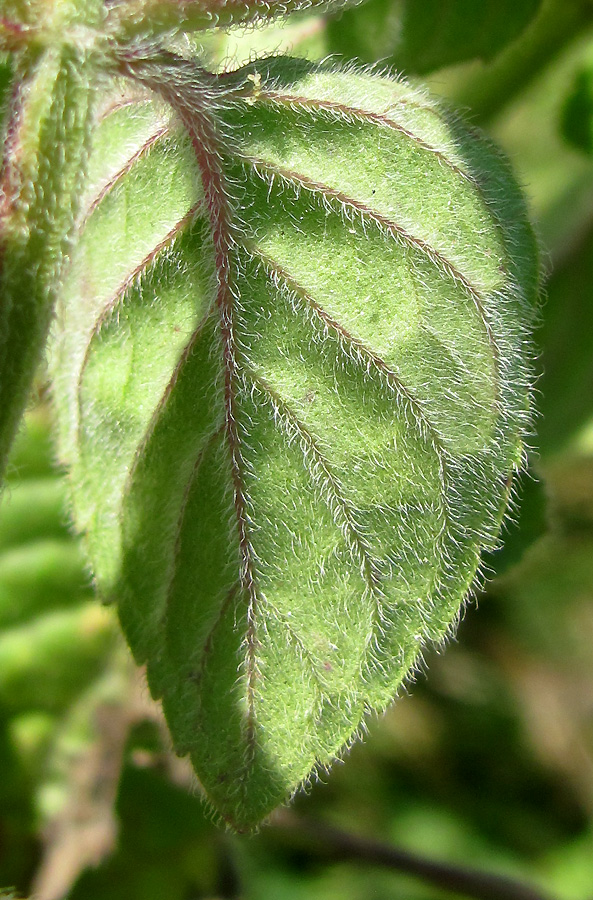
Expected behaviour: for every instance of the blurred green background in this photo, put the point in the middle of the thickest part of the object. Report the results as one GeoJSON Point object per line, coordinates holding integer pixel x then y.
{"type": "Point", "coordinates": [489, 759]}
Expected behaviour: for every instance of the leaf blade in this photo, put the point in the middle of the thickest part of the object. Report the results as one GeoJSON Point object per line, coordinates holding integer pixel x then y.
{"type": "Point", "coordinates": [323, 452]}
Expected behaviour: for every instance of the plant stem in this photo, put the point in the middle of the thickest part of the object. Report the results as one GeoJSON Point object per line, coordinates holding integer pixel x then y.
{"type": "Point", "coordinates": [332, 842]}
{"type": "Point", "coordinates": [488, 92]}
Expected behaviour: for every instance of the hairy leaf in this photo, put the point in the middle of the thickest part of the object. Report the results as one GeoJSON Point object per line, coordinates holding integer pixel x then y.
{"type": "Point", "coordinates": [292, 399]}
{"type": "Point", "coordinates": [423, 35]}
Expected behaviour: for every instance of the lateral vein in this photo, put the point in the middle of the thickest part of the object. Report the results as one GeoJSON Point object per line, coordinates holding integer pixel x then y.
{"type": "Point", "coordinates": [318, 189]}
{"type": "Point", "coordinates": [118, 297]}
{"type": "Point", "coordinates": [359, 114]}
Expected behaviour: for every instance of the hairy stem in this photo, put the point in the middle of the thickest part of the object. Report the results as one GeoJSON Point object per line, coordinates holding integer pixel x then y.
{"type": "Point", "coordinates": [558, 25]}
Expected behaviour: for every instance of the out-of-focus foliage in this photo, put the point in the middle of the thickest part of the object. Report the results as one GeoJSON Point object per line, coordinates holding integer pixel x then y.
{"type": "Point", "coordinates": [423, 36]}
{"type": "Point", "coordinates": [577, 115]}
{"type": "Point", "coordinates": [55, 643]}
{"type": "Point", "coordinates": [489, 760]}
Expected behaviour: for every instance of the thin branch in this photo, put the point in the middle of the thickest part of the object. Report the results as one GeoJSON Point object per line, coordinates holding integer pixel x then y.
{"type": "Point", "coordinates": [336, 844]}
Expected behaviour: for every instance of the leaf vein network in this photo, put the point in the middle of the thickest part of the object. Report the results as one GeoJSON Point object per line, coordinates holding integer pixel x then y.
{"type": "Point", "coordinates": [331, 489]}
{"type": "Point", "coordinates": [359, 114]}
{"type": "Point", "coordinates": [325, 194]}
{"type": "Point", "coordinates": [118, 297]}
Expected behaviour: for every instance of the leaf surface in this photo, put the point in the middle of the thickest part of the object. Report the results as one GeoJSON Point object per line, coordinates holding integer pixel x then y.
{"type": "Point", "coordinates": [292, 400]}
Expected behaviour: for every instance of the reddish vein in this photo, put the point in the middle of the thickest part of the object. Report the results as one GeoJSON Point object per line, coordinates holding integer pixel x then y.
{"type": "Point", "coordinates": [122, 290]}
{"type": "Point", "coordinates": [268, 170]}
{"type": "Point", "coordinates": [127, 166]}
{"type": "Point", "coordinates": [277, 273]}
{"type": "Point", "coordinates": [369, 565]}
{"type": "Point", "coordinates": [193, 104]}
{"type": "Point", "coordinates": [359, 114]}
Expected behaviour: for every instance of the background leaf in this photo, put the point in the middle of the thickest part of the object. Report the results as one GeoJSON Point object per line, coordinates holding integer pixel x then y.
{"type": "Point", "coordinates": [55, 642]}
{"type": "Point", "coordinates": [422, 35]}
{"type": "Point", "coordinates": [528, 521]}
{"type": "Point", "coordinates": [567, 389]}
{"type": "Point", "coordinates": [577, 114]}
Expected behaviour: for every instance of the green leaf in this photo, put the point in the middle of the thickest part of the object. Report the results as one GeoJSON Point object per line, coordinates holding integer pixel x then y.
{"type": "Point", "coordinates": [5, 84]}
{"type": "Point", "coordinates": [53, 640]}
{"type": "Point", "coordinates": [567, 359]}
{"type": "Point", "coordinates": [543, 53]}
{"type": "Point", "coordinates": [45, 141]}
{"type": "Point", "coordinates": [368, 33]}
{"type": "Point", "coordinates": [437, 33]}
{"type": "Point", "coordinates": [32, 454]}
{"type": "Point", "coordinates": [292, 399]}
{"type": "Point", "coordinates": [423, 35]}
